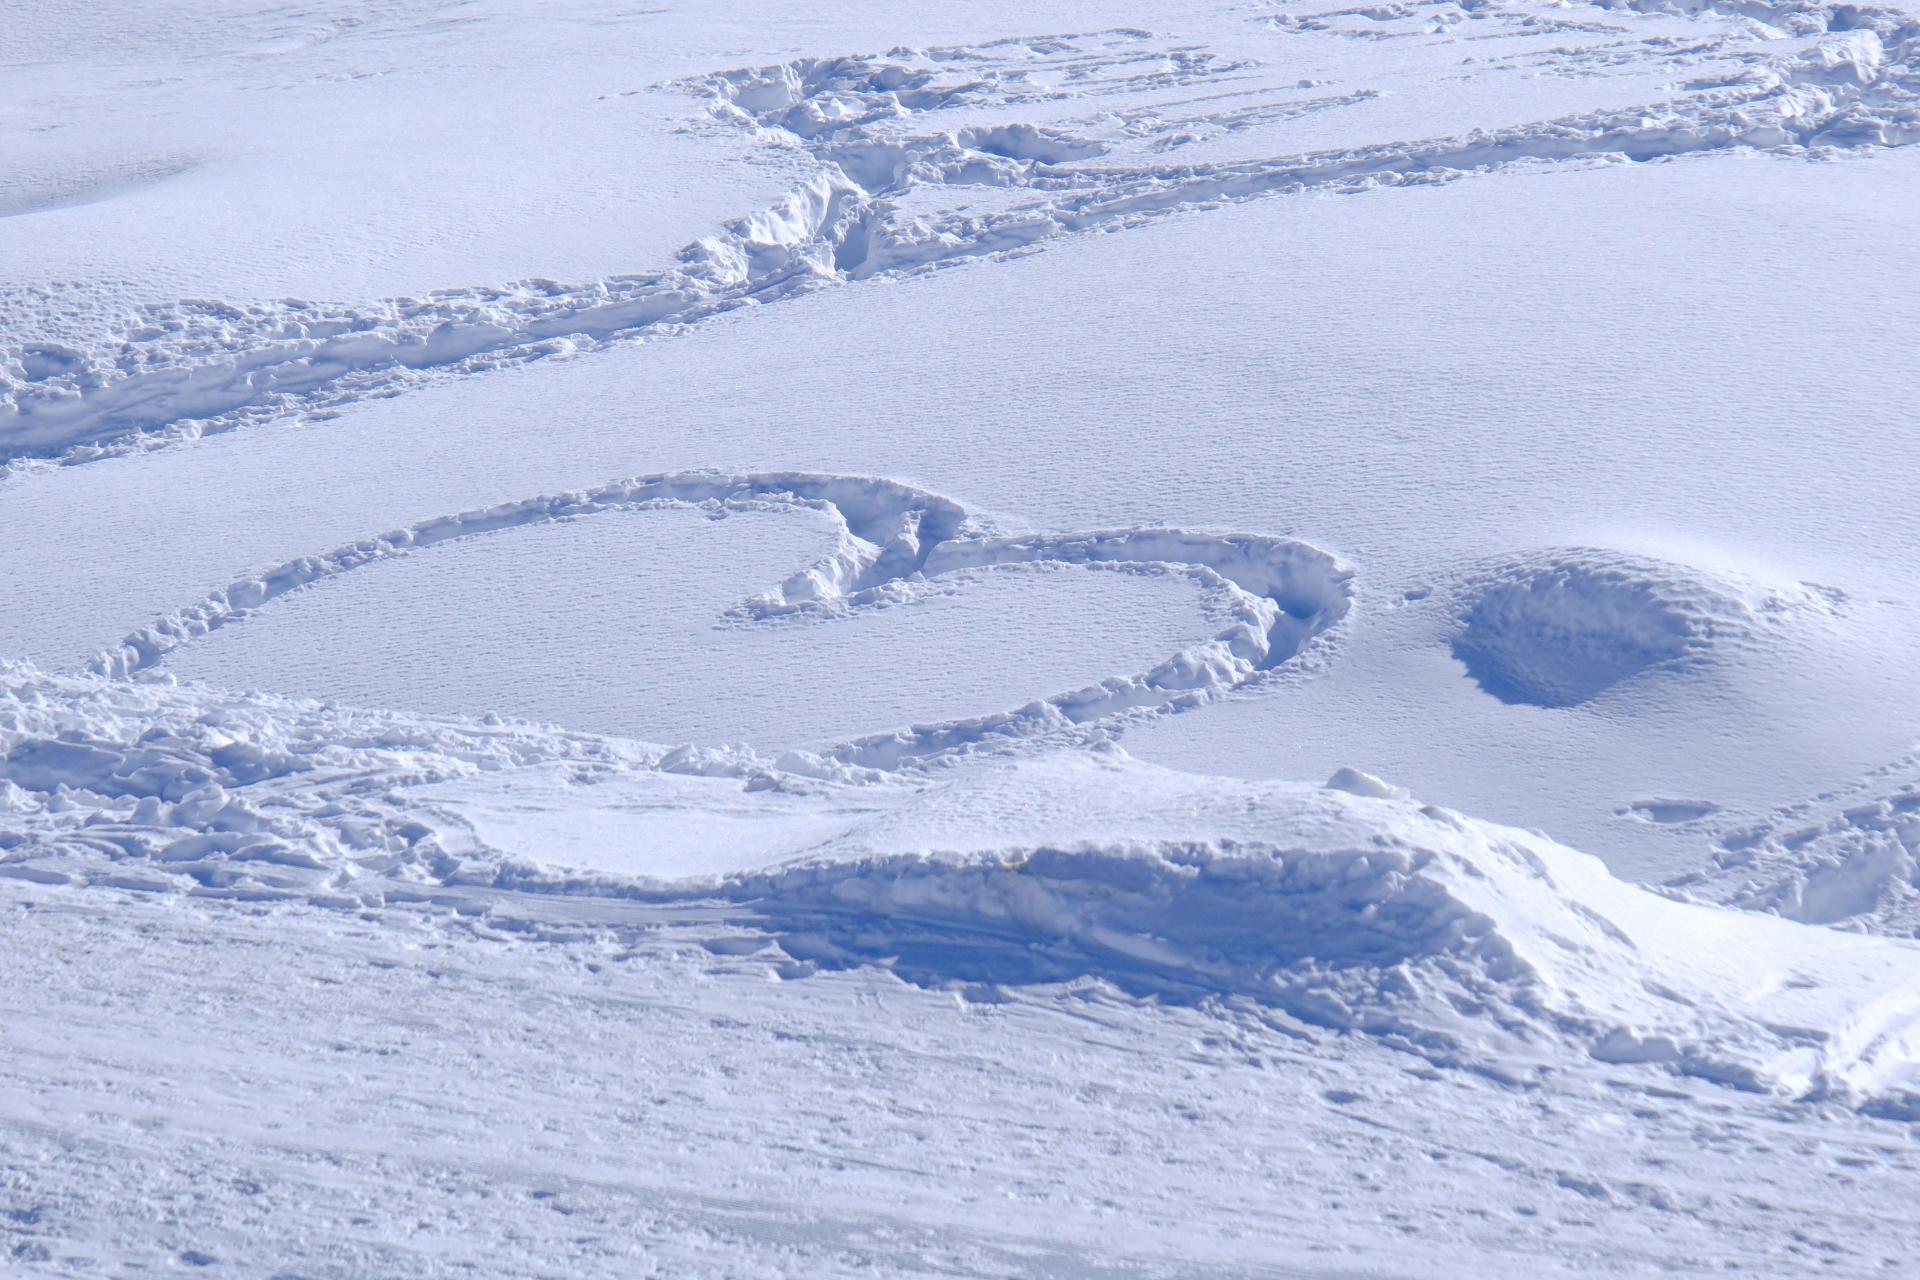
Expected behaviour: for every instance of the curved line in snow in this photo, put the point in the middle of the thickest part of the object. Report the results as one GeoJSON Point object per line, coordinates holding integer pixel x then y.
{"type": "Point", "coordinates": [1280, 592]}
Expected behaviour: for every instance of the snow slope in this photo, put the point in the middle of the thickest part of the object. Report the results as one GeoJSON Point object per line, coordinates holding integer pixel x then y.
{"type": "Point", "coordinates": [854, 115]}
{"type": "Point", "coordinates": [427, 1093]}
{"type": "Point", "coordinates": [703, 641]}
{"type": "Point", "coordinates": [1285, 961]}
{"type": "Point", "coordinates": [1337, 404]}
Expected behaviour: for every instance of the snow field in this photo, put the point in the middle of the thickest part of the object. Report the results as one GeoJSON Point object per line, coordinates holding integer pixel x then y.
{"type": "Point", "coordinates": [588, 684]}
{"type": "Point", "coordinates": [1845, 84]}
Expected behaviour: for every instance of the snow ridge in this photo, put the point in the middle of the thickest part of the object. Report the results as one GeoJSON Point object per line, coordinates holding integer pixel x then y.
{"type": "Point", "coordinates": [1322, 911]}
{"type": "Point", "coordinates": [200, 365]}
{"type": "Point", "coordinates": [1471, 945]}
{"type": "Point", "coordinates": [1481, 954]}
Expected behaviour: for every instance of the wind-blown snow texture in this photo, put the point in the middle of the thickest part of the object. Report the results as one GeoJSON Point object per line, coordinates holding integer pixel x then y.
{"type": "Point", "coordinates": [325, 988]}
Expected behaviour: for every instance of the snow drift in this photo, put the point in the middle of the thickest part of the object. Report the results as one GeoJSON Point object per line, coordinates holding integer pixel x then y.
{"type": "Point", "coordinates": [1470, 944]}
{"type": "Point", "coordinates": [1349, 909]}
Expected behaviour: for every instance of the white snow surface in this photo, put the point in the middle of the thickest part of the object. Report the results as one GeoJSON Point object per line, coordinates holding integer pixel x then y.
{"type": "Point", "coordinates": [1074, 639]}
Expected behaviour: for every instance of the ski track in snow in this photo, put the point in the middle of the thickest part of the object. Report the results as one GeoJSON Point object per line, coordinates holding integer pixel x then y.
{"type": "Point", "coordinates": [1850, 82]}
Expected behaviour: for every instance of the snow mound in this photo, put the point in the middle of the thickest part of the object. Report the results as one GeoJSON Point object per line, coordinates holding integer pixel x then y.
{"type": "Point", "coordinates": [1470, 944]}
{"type": "Point", "coordinates": [1562, 628]}
{"type": "Point", "coordinates": [1356, 783]}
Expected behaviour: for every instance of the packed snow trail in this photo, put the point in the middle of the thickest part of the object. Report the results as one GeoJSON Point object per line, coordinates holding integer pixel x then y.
{"type": "Point", "coordinates": [1849, 83]}
{"type": "Point", "coordinates": [1276, 594]}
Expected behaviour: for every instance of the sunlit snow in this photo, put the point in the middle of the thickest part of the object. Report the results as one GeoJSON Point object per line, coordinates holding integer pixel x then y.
{"type": "Point", "coordinates": [1081, 638]}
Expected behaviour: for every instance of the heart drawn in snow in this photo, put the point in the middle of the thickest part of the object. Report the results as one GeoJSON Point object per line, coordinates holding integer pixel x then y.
{"type": "Point", "coordinates": [1278, 593]}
